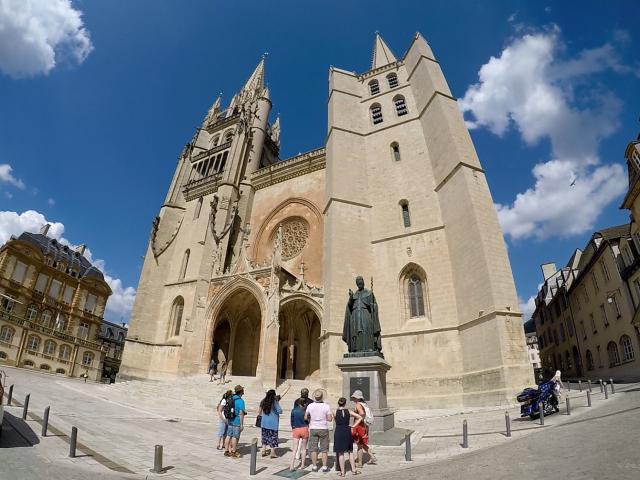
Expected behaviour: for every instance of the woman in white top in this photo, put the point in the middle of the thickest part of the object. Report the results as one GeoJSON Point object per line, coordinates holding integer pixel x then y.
{"type": "Point", "coordinates": [222, 421]}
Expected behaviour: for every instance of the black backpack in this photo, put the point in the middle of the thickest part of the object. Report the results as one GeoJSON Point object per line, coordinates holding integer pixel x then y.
{"type": "Point", "coordinates": [229, 408]}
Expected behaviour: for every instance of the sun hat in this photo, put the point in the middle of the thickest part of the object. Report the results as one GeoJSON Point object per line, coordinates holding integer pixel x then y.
{"type": "Point", "coordinates": [357, 395]}
{"type": "Point", "coordinates": [318, 395]}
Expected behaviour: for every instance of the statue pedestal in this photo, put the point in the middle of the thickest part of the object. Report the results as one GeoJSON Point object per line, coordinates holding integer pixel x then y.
{"type": "Point", "coordinates": [368, 374]}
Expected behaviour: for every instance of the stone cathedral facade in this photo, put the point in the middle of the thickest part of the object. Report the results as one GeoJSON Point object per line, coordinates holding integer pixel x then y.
{"type": "Point", "coordinates": [250, 258]}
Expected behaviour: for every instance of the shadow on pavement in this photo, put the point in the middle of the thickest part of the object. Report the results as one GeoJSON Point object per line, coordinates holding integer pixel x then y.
{"type": "Point", "coordinates": [17, 433]}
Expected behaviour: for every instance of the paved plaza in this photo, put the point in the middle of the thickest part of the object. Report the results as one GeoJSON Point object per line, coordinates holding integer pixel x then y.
{"type": "Point", "coordinates": [120, 424]}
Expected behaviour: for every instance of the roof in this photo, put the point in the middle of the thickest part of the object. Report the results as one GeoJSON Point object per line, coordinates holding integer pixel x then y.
{"type": "Point", "coordinates": [382, 54]}
{"type": "Point", "coordinates": [614, 233]}
{"type": "Point", "coordinates": [62, 253]}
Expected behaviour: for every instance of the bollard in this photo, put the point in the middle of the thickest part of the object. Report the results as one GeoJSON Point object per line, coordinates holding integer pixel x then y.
{"type": "Point", "coordinates": [568, 406]}
{"type": "Point", "coordinates": [541, 410]}
{"type": "Point", "coordinates": [10, 395]}
{"type": "Point", "coordinates": [588, 398]}
{"type": "Point", "coordinates": [465, 435]}
{"type": "Point", "coordinates": [25, 409]}
{"type": "Point", "coordinates": [601, 387]}
{"type": "Point", "coordinates": [157, 460]}
{"type": "Point", "coordinates": [45, 421]}
{"type": "Point", "coordinates": [254, 456]}
{"type": "Point", "coordinates": [580, 385]}
{"type": "Point", "coordinates": [568, 386]}
{"type": "Point", "coordinates": [590, 385]}
{"type": "Point", "coordinates": [407, 447]}
{"type": "Point", "coordinates": [507, 421]}
{"type": "Point", "coordinates": [606, 391]}
{"type": "Point", "coordinates": [613, 390]}
{"type": "Point", "coordinates": [73, 441]}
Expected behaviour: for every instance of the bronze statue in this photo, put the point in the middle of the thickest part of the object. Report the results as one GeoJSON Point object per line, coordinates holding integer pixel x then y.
{"type": "Point", "coordinates": [361, 331]}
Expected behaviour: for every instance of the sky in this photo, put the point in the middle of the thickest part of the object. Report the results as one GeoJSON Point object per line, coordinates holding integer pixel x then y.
{"type": "Point", "coordinates": [98, 98]}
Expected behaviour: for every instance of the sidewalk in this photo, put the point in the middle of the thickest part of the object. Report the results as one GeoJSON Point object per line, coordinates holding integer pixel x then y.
{"type": "Point", "coordinates": [120, 436]}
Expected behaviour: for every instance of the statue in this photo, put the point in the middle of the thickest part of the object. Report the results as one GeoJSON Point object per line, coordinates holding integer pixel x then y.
{"type": "Point", "coordinates": [361, 331]}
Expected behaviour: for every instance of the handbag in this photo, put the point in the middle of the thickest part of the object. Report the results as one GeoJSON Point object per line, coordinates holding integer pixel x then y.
{"type": "Point", "coordinates": [259, 420]}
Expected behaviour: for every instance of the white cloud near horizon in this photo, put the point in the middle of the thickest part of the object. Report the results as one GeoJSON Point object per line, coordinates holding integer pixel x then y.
{"type": "Point", "coordinates": [527, 308]}
{"type": "Point", "coordinates": [35, 35]}
{"type": "Point", "coordinates": [120, 302]}
{"type": "Point", "coordinates": [531, 88]}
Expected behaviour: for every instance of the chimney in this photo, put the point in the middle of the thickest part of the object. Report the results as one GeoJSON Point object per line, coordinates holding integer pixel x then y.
{"type": "Point", "coordinates": [81, 248]}
{"type": "Point", "coordinates": [45, 229]}
{"type": "Point", "coordinates": [548, 269]}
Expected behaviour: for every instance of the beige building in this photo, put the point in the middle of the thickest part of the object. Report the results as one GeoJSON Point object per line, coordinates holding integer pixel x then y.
{"type": "Point", "coordinates": [51, 305]}
{"type": "Point", "coordinates": [251, 257]}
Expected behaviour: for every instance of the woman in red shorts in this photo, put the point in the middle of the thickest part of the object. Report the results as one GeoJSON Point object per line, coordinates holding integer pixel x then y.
{"type": "Point", "coordinates": [299, 433]}
{"type": "Point", "coordinates": [361, 431]}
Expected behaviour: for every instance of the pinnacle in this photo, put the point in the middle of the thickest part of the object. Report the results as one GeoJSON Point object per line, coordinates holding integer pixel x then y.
{"type": "Point", "coordinates": [382, 54]}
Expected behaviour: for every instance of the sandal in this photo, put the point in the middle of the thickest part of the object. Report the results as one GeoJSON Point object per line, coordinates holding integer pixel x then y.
{"type": "Point", "coordinates": [357, 472]}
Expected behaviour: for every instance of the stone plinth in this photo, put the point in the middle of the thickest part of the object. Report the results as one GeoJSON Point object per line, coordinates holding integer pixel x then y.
{"type": "Point", "coordinates": [369, 375]}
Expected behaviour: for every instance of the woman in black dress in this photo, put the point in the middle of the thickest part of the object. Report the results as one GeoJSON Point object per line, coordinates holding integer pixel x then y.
{"type": "Point", "coordinates": [342, 438]}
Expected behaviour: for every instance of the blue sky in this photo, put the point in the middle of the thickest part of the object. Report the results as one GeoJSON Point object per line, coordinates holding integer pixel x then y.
{"type": "Point", "coordinates": [96, 104]}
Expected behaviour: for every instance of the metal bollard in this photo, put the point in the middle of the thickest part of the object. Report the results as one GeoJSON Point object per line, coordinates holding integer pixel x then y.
{"type": "Point", "coordinates": [45, 421]}
{"type": "Point", "coordinates": [465, 435]}
{"type": "Point", "coordinates": [507, 421]}
{"type": "Point", "coordinates": [568, 406]}
{"type": "Point", "coordinates": [588, 398]}
{"type": "Point", "coordinates": [601, 387]}
{"type": "Point", "coordinates": [25, 409]}
{"type": "Point", "coordinates": [10, 395]}
{"type": "Point", "coordinates": [157, 460]}
{"type": "Point", "coordinates": [580, 385]}
{"type": "Point", "coordinates": [613, 390]}
{"type": "Point", "coordinates": [73, 441]}
{"type": "Point", "coordinates": [590, 385]}
{"type": "Point", "coordinates": [407, 447]}
{"type": "Point", "coordinates": [606, 391]}
{"type": "Point", "coordinates": [254, 456]}
{"type": "Point", "coordinates": [541, 410]}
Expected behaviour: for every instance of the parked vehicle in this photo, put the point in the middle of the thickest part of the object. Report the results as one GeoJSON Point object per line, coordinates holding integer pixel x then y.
{"type": "Point", "coordinates": [531, 398]}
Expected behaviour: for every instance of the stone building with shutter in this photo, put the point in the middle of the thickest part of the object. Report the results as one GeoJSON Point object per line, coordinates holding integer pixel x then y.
{"type": "Point", "coordinates": [251, 257]}
{"type": "Point", "coordinates": [52, 301]}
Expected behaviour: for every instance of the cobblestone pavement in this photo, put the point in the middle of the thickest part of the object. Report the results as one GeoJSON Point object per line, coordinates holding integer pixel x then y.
{"type": "Point", "coordinates": [120, 424]}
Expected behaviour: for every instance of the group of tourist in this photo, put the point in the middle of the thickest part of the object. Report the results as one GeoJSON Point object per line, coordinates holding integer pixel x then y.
{"type": "Point", "coordinates": [213, 371]}
{"type": "Point", "coordinates": [310, 421]}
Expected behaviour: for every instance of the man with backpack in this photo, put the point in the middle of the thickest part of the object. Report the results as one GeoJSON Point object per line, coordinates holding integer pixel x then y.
{"type": "Point", "coordinates": [361, 431]}
{"type": "Point", "coordinates": [234, 412]}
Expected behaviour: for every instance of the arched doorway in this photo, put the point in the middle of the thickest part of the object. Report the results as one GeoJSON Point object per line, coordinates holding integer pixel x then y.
{"type": "Point", "coordinates": [298, 341]}
{"type": "Point", "coordinates": [237, 333]}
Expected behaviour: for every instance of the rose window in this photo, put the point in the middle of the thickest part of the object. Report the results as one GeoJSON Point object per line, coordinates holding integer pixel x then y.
{"type": "Point", "coordinates": [295, 233]}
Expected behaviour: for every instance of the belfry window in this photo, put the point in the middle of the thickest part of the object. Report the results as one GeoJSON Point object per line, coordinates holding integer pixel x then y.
{"type": "Point", "coordinates": [374, 87]}
{"type": "Point", "coordinates": [392, 78]}
{"type": "Point", "coordinates": [214, 141]}
{"type": "Point", "coordinates": [395, 151]}
{"type": "Point", "coordinates": [406, 217]}
{"type": "Point", "coordinates": [401, 106]}
{"type": "Point", "coordinates": [185, 264]}
{"type": "Point", "coordinates": [176, 316]}
{"type": "Point", "coordinates": [376, 113]}
{"type": "Point", "coordinates": [228, 136]}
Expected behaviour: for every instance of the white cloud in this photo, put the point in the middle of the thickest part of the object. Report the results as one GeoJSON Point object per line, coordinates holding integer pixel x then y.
{"type": "Point", "coordinates": [120, 302]}
{"type": "Point", "coordinates": [7, 177]}
{"type": "Point", "coordinates": [527, 308]}
{"type": "Point", "coordinates": [51, 202]}
{"type": "Point", "coordinates": [36, 34]}
{"type": "Point", "coordinates": [530, 88]}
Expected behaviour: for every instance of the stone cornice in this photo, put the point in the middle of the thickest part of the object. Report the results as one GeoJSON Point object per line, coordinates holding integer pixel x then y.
{"type": "Point", "coordinates": [377, 71]}
{"type": "Point", "coordinates": [291, 168]}
{"type": "Point", "coordinates": [213, 150]}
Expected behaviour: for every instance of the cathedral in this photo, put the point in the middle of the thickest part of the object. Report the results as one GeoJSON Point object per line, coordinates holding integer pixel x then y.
{"type": "Point", "coordinates": [251, 257]}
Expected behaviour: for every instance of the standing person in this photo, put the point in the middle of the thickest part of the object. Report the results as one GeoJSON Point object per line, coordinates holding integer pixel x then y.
{"type": "Point", "coordinates": [306, 401]}
{"type": "Point", "coordinates": [223, 372]}
{"type": "Point", "coordinates": [361, 431]}
{"type": "Point", "coordinates": [234, 412]}
{"type": "Point", "coordinates": [299, 432]}
{"type": "Point", "coordinates": [343, 438]}
{"type": "Point", "coordinates": [270, 410]}
{"type": "Point", "coordinates": [222, 421]}
{"type": "Point", "coordinates": [557, 389]}
{"type": "Point", "coordinates": [319, 415]}
{"type": "Point", "coordinates": [212, 369]}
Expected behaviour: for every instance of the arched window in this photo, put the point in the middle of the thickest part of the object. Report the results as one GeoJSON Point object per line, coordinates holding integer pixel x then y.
{"type": "Point", "coordinates": [176, 316]}
{"type": "Point", "coordinates": [44, 366]}
{"type": "Point", "coordinates": [46, 318]}
{"type": "Point", "coordinates": [28, 363]}
{"type": "Point", "coordinates": [406, 218]}
{"type": "Point", "coordinates": [374, 87]}
{"type": "Point", "coordinates": [32, 312]}
{"type": "Point", "coordinates": [376, 113]}
{"type": "Point", "coordinates": [614, 357]}
{"type": "Point", "coordinates": [395, 151]}
{"type": "Point", "coordinates": [627, 348]}
{"type": "Point", "coordinates": [33, 343]}
{"type": "Point", "coordinates": [3, 355]}
{"type": "Point", "coordinates": [196, 213]}
{"type": "Point", "coordinates": [401, 105]}
{"type": "Point", "coordinates": [185, 264]}
{"type": "Point", "coordinates": [121, 337]}
{"type": "Point", "coordinates": [109, 332]}
{"type": "Point", "coordinates": [392, 78]}
{"type": "Point", "coordinates": [6, 334]}
{"type": "Point", "coordinates": [60, 370]}
{"type": "Point", "coordinates": [214, 141]}
{"type": "Point", "coordinates": [87, 359]}
{"type": "Point", "coordinates": [64, 352]}
{"type": "Point", "coordinates": [413, 284]}
{"type": "Point", "coordinates": [228, 136]}
{"type": "Point", "coordinates": [49, 348]}
{"type": "Point", "coordinates": [61, 323]}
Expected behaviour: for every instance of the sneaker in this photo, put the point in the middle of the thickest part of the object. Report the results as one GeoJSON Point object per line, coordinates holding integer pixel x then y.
{"type": "Point", "coordinates": [325, 469]}
{"type": "Point", "coordinates": [314, 468]}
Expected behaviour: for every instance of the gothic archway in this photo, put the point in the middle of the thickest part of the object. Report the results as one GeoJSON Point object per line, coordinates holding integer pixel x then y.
{"type": "Point", "coordinates": [298, 340]}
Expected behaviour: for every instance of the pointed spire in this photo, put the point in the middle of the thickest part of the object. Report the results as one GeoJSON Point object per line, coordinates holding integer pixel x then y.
{"type": "Point", "coordinates": [382, 54]}
{"type": "Point", "coordinates": [213, 112]}
{"type": "Point", "coordinates": [256, 80]}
